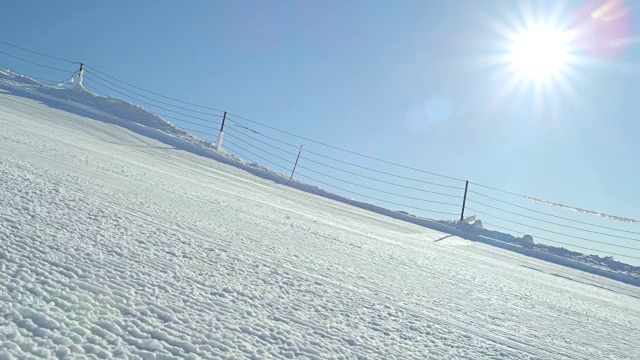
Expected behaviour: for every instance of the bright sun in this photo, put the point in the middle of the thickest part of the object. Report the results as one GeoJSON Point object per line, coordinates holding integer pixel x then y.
{"type": "Point", "coordinates": [540, 53]}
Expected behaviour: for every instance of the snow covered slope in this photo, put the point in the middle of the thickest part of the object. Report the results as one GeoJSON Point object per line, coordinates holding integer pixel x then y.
{"type": "Point", "coordinates": [115, 244]}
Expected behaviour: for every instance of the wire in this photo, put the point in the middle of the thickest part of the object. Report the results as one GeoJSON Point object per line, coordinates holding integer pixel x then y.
{"type": "Point", "coordinates": [235, 153]}
{"type": "Point", "coordinates": [34, 63]}
{"type": "Point", "coordinates": [95, 73]}
{"type": "Point", "coordinates": [301, 137]}
{"type": "Point", "coordinates": [559, 242]}
{"type": "Point", "coordinates": [350, 172]}
{"type": "Point", "coordinates": [551, 231]}
{"type": "Point", "coordinates": [551, 215]}
{"type": "Point", "coordinates": [178, 119]}
{"type": "Point", "coordinates": [292, 134]}
{"type": "Point", "coordinates": [37, 53]}
{"type": "Point", "coordinates": [337, 187]}
{"type": "Point", "coordinates": [144, 102]}
{"type": "Point", "coordinates": [349, 182]}
{"type": "Point", "coordinates": [382, 181]}
{"type": "Point", "coordinates": [551, 222]}
{"type": "Point", "coordinates": [39, 79]}
{"type": "Point", "coordinates": [374, 189]}
{"type": "Point", "coordinates": [373, 198]}
{"type": "Point", "coordinates": [263, 142]}
{"type": "Point", "coordinates": [151, 92]}
{"type": "Point", "coordinates": [258, 156]}
{"type": "Point", "coordinates": [214, 109]}
{"type": "Point", "coordinates": [530, 198]}
{"type": "Point", "coordinates": [195, 131]}
{"type": "Point", "coordinates": [189, 122]}
{"type": "Point", "coordinates": [186, 129]}
{"type": "Point", "coordinates": [152, 99]}
{"type": "Point", "coordinates": [255, 147]}
{"type": "Point", "coordinates": [168, 116]}
{"type": "Point", "coordinates": [162, 115]}
{"type": "Point", "coordinates": [353, 173]}
{"type": "Point", "coordinates": [345, 150]}
{"type": "Point", "coordinates": [346, 162]}
{"type": "Point", "coordinates": [502, 191]}
{"type": "Point", "coordinates": [95, 90]}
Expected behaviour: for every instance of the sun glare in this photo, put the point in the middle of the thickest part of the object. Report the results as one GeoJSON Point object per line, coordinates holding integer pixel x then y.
{"type": "Point", "coordinates": [540, 52]}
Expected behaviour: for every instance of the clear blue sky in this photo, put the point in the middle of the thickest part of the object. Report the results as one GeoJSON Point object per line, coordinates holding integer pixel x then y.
{"type": "Point", "coordinates": [401, 80]}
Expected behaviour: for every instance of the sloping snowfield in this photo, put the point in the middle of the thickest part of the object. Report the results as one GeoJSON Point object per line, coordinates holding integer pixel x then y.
{"type": "Point", "coordinates": [114, 245]}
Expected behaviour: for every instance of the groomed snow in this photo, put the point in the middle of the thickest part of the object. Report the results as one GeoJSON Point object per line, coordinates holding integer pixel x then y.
{"type": "Point", "coordinates": [115, 245]}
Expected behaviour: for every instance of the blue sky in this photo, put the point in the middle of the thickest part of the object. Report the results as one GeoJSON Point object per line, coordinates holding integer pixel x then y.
{"type": "Point", "coordinates": [404, 81]}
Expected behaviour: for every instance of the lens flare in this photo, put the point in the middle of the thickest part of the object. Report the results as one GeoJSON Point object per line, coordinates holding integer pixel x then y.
{"type": "Point", "coordinates": [603, 28]}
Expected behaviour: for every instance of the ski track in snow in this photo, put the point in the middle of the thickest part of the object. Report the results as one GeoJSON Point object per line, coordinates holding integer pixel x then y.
{"type": "Point", "coordinates": [118, 246]}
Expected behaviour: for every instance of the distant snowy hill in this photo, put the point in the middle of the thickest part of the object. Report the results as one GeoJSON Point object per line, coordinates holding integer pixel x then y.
{"type": "Point", "coordinates": [122, 238]}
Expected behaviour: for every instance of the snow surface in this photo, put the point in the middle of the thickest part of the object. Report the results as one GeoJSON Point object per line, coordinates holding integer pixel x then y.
{"type": "Point", "coordinates": [118, 245]}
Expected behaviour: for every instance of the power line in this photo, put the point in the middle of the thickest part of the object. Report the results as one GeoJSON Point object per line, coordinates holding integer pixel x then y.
{"type": "Point", "coordinates": [551, 222]}
{"type": "Point", "coordinates": [186, 129]}
{"type": "Point", "coordinates": [209, 108]}
{"type": "Point", "coordinates": [373, 198]}
{"type": "Point", "coordinates": [145, 102]}
{"type": "Point", "coordinates": [548, 203]}
{"type": "Point", "coordinates": [195, 131]}
{"type": "Point", "coordinates": [255, 147]}
{"type": "Point", "coordinates": [213, 123]}
{"type": "Point", "coordinates": [350, 172]}
{"type": "Point", "coordinates": [263, 142]}
{"type": "Point", "coordinates": [152, 99]}
{"type": "Point", "coordinates": [235, 153]}
{"type": "Point", "coordinates": [551, 231]}
{"type": "Point", "coordinates": [189, 122]}
{"type": "Point", "coordinates": [151, 92]}
{"type": "Point", "coordinates": [317, 154]}
{"type": "Point", "coordinates": [330, 146]}
{"type": "Point", "coordinates": [502, 191]}
{"type": "Point", "coordinates": [346, 162]}
{"type": "Point", "coordinates": [95, 90]}
{"type": "Point", "coordinates": [337, 187]}
{"type": "Point", "coordinates": [308, 139]}
{"type": "Point", "coordinates": [378, 190]}
{"type": "Point", "coordinates": [345, 150]}
{"type": "Point", "coordinates": [258, 156]}
{"type": "Point", "coordinates": [51, 82]}
{"type": "Point", "coordinates": [559, 242]}
{"type": "Point", "coordinates": [581, 238]}
{"type": "Point", "coordinates": [352, 183]}
{"type": "Point", "coordinates": [34, 63]}
{"type": "Point", "coordinates": [37, 53]}
{"type": "Point", "coordinates": [551, 215]}
{"type": "Point", "coordinates": [159, 115]}
{"type": "Point", "coordinates": [382, 181]}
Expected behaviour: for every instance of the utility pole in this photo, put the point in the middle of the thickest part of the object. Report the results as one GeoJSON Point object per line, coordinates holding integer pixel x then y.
{"type": "Point", "coordinates": [464, 200]}
{"type": "Point", "coordinates": [296, 164]}
{"type": "Point", "coordinates": [80, 76]}
{"type": "Point", "coordinates": [221, 134]}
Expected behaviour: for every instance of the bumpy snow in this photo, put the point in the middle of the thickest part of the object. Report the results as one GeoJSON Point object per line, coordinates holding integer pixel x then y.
{"type": "Point", "coordinates": [116, 245]}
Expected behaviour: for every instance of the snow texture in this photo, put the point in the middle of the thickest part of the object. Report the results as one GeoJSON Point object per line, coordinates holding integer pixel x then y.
{"type": "Point", "coordinates": [120, 245]}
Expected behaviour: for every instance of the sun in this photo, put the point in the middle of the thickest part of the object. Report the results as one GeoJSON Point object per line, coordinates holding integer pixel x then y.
{"type": "Point", "coordinates": [540, 52]}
